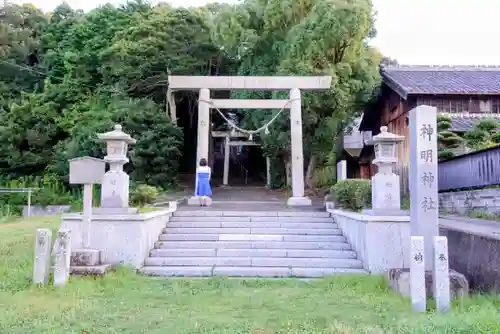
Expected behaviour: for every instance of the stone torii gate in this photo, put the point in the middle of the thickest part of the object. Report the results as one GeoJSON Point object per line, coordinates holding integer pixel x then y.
{"type": "Point", "coordinates": [293, 84]}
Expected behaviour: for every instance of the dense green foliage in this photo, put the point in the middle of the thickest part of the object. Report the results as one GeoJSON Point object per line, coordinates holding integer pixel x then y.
{"type": "Point", "coordinates": [67, 75]}
{"type": "Point", "coordinates": [447, 140]}
{"type": "Point", "coordinates": [353, 194]}
{"type": "Point", "coordinates": [484, 134]}
{"type": "Point", "coordinates": [311, 37]}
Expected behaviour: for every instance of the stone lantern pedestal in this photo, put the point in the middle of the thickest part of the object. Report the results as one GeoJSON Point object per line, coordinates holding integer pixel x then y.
{"type": "Point", "coordinates": [386, 192]}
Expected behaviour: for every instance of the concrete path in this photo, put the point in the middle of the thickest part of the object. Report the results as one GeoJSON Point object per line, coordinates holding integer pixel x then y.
{"type": "Point", "coordinates": [482, 227]}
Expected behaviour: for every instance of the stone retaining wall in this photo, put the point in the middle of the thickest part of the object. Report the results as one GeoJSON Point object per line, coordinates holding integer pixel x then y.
{"type": "Point", "coordinates": [475, 256]}
{"type": "Point", "coordinates": [49, 210]}
{"type": "Point", "coordinates": [122, 238]}
{"type": "Point", "coordinates": [460, 202]}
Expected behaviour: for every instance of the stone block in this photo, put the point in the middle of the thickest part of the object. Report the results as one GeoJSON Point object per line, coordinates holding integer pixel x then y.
{"type": "Point", "coordinates": [122, 239]}
{"type": "Point", "coordinates": [96, 270]}
{"type": "Point", "coordinates": [85, 257]}
{"type": "Point", "coordinates": [399, 281]}
{"type": "Point", "coordinates": [299, 201]}
{"type": "Point", "coordinates": [114, 211]}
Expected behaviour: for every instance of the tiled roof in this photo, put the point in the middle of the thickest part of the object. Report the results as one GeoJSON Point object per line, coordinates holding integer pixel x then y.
{"type": "Point", "coordinates": [466, 80]}
{"type": "Point", "coordinates": [465, 122]}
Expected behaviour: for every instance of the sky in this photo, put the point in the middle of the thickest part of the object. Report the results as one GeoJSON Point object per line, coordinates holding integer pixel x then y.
{"type": "Point", "coordinates": [414, 32]}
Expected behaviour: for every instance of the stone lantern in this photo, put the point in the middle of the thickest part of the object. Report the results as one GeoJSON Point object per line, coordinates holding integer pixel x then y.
{"type": "Point", "coordinates": [386, 193]}
{"type": "Point", "coordinates": [115, 183]}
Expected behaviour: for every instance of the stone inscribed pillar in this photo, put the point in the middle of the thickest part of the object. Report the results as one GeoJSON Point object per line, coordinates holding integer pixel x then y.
{"type": "Point", "coordinates": [441, 274]}
{"type": "Point", "coordinates": [297, 152]}
{"type": "Point", "coordinates": [341, 170]}
{"type": "Point", "coordinates": [41, 266]}
{"type": "Point", "coordinates": [417, 275]}
{"type": "Point", "coordinates": [115, 183]}
{"type": "Point", "coordinates": [62, 258]}
{"type": "Point", "coordinates": [386, 192]}
{"type": "Point", "coordinates": [423, 177]}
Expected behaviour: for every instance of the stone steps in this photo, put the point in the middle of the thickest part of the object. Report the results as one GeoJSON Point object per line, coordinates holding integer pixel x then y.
{"type": "Point", "coordinates": [237, 261]}
{"type": "Point", "coordinates": [304, 245]}
{"type": "Point", "coordinates": [207, 271]}
{"type": "Point", "coordinates": [251, 244]}
{"type": "Point", "coordinates": [249, 237]}
{"type": "Point", "coordinates": [263, 219]}
{"type": "Point", "coordinates": [252, 224]}
{"type": "Point", "coordinates": [252, 231]}
{"type": "Point", "coordinates": [228, 252]}
{"type": "Point", "coordinates": [247, 214]}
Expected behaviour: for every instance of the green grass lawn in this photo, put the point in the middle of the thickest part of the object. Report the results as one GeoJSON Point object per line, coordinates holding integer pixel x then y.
{"type": "Point", "coordinates": [124, 302]}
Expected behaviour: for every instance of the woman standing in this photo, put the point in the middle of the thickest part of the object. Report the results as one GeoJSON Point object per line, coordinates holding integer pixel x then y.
{"type": "Point", "coordinates": [203, 188]}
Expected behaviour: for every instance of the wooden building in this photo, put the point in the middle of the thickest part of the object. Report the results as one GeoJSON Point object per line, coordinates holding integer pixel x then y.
{"type": "Point", "coordinates": [465, 93]}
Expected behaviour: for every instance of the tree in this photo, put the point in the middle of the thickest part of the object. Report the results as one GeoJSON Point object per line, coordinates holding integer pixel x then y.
{"type": "Point", "coordinates": [304, 38]}
{"type": "Point", "coordinates": [483, 134]}
{"type": "Point", "coordinates": [68, 75]}
{"type": "Point", "coordinates": [447, 139]}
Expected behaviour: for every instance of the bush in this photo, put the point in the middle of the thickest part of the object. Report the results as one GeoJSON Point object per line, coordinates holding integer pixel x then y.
{"type": "Point", "coordinates": [144, 194]}
{"type": "Point", "coordinates": [51, 191]}
{"type": "Point", "coordinates": [325, 177]}
{"type": "Point", "coordinates": [353, 194]}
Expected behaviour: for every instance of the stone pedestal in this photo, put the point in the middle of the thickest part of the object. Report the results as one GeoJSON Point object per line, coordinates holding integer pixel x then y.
{"type": "Point", "coordinates": [386, 192]}
{"type": "Point", "coordinates": [115, 189]}
{"type": "Point", "coordinates": [399, 281]}
{"type": "Point", "coordinates": [87, 262]}
{"type": "Point", "coordinates": [298, 201]}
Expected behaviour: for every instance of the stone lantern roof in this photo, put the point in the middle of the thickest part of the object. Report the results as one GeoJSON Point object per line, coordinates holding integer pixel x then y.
{"type": "Point", "coordinates": [385, 137]}
{"type": "Point", "coordinates": [117, 134]}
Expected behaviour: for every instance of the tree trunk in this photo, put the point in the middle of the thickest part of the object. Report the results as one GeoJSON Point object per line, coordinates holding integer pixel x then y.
{"type": "Point", "coordinates": [311, 167]}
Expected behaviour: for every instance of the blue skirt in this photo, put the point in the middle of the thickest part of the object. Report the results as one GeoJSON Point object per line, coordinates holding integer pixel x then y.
{"type": "Point", "coordinates": [203, 186]}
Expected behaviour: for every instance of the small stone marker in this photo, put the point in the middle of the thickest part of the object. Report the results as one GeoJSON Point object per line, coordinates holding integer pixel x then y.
{"type": "Point", "coordinates": [62, 257]}
{"type": "Point", "coordinates": [417, 275]}
{"type": "Point", "coordinates": [41, 267]}
{"type": "Point", "coordinates": [342, 170]}
{"type": "Point", "coordinates": [441, 273]}
{"type": "Point", "coordinates": [423, 178]}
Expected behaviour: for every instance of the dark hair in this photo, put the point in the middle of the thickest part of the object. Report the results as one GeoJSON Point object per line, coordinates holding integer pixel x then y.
{"type": "Point", "coordinates": [203, 162]}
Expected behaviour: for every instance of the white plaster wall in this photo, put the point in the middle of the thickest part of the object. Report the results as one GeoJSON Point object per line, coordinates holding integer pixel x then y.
{"type": "Point", "coordinates": [122, 239]}
{"type": "Point", "coordinates": [381, 242]}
